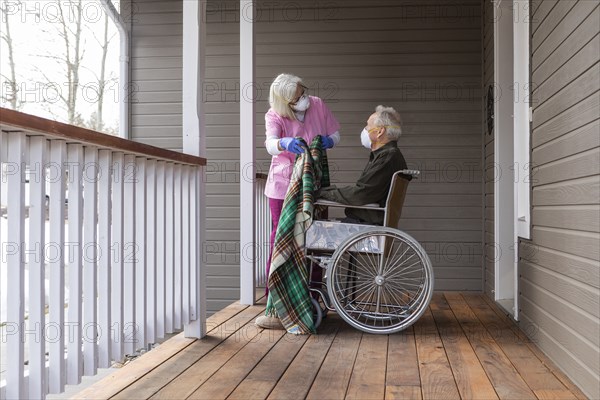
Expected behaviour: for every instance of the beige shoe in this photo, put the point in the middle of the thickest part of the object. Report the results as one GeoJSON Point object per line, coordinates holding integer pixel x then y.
{"type": "Point", "coordinates": [269, 322]}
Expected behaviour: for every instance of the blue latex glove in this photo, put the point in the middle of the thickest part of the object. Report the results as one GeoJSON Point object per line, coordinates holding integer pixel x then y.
{"type": "Point", "coordinates": [327, 142]}
{"type": "Point", "coordinates": [292, 145]}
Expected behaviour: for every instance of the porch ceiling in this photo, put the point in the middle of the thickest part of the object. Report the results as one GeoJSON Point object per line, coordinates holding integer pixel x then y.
{"type": "Point", "coordinates": [463, 347]}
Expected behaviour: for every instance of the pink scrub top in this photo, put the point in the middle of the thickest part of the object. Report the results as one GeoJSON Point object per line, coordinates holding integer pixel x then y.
{"type": "Point", "coordinates": [318, 120]}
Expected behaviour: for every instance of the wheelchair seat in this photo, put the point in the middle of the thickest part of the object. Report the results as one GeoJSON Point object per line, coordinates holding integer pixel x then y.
{"type": "Point", "coordinates": [328, 235]}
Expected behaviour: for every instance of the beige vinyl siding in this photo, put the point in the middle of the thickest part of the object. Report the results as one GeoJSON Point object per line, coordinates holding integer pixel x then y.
{"type": "Point", "coordinates": [156, 73]}
{"type": "Point", "coordinates": [559, 269]}
{"type": "Point", "coordinates": [355, 56]}
{"type": "Point", "coordinates": [423, 59]}
{"type": "Point", "coordinates": [488, 150]}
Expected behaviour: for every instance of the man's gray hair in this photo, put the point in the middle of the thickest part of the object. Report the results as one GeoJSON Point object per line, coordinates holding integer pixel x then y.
{"type": "Point", "coordinates": [390, 119]}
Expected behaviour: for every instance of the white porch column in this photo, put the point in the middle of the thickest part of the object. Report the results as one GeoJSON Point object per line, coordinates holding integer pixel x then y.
{"type": "Point", "coordinates": [247, 156]}
{"type": "Point", "coordinates": [194, 134]}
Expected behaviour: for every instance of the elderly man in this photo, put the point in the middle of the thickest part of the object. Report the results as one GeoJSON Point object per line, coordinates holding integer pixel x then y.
{"type": "Point", "coordinates": [381, 137]}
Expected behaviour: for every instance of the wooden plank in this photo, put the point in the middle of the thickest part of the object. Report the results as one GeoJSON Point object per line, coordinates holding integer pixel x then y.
{"type": "Point", "coordinates": [170, 369]}
{"type": "Point", "coordinates": [537, 376]}
{"type": "Point", "coordinates": [403, 393]}
{"type": "Point", "coordinates": [535, 349]}
{"type": "Point", "coordinates": [226, 379]}
{"type": "Point", "coordinates": [140, 367]}
{"type": "Point", "coordinates": [11, 119]}
{"type": "Point", "coordinates": [437, 381]}
{"type": "Point", "coordinates": [129, 254]}
{"type": "Point", "coordinates": [469, 374]}
{"type": "Point", "coordinates": [263, 378]}
{"type": "Point", "coordinates": [368, 375]}
{"type": "Point", "coordinates": [299, 377]}
{"type": "Point", "coordinates": [504, 377]}
{"type": "Point", "coordinates": [203, 368]}
{"type": "Point", "coordinates": [335, 372]}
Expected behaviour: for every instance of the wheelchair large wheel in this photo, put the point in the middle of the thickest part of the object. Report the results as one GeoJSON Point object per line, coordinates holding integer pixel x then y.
{"type": "Point", "coordinates": [380, 280]}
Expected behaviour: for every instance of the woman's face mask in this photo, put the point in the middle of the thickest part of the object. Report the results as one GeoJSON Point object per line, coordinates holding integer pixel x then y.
{"type": "Point", "coordinates": [302, 104]}
{"type": "Point", "coordinates": [365, 139]}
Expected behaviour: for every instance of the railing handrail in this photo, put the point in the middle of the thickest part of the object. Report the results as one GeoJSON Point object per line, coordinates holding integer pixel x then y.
{"type": "Point", "coordinates": [11, 120]}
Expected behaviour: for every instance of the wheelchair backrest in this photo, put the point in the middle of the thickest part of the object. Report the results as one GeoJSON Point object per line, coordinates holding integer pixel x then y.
{"type": "Point", "coordinates": [396, 195]}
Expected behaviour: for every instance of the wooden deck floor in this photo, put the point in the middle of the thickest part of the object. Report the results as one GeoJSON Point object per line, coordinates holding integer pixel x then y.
{"type": "Point", "coordinates": [463, 347]}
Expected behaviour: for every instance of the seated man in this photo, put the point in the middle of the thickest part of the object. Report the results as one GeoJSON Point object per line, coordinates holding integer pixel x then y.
{"type": "Point", "coordinates": [380, 136]}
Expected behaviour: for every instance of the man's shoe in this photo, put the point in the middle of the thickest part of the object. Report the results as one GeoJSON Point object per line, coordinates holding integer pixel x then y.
{"type": "Point", "coordinates": [269, 322]}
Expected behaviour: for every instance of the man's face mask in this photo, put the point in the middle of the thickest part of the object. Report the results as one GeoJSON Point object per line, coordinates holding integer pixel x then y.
{"type": "Point", "coordinates": [365, 139]}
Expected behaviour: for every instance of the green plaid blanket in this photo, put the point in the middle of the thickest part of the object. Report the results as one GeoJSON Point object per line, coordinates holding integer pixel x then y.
{"type": "Point", "coordinates": [289, 298]}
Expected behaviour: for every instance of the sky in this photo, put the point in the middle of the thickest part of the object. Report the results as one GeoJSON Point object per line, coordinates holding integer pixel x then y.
{"type": "Point", "coordinates": [37, 44]}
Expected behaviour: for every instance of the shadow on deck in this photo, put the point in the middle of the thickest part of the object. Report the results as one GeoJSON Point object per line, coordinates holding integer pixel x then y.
{"type": "Point", "coordinates": [463, 347]}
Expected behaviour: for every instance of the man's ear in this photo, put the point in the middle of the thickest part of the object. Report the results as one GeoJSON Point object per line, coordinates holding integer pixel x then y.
{"type": "Point", "coordinates": [381, 132]}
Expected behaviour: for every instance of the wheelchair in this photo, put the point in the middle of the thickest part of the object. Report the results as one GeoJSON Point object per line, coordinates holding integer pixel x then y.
{"type": "Point", "coordinates": [377, 278]}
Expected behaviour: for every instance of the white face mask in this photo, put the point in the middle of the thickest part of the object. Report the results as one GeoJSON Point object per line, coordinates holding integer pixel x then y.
{"type": "Point", "coordinates": [302, 104]}
{"type": "Point", "coordinates": [365, 139]}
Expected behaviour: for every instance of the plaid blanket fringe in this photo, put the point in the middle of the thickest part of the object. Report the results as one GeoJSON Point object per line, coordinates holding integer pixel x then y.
{"type": "Point", "coordinates": [289, 297]}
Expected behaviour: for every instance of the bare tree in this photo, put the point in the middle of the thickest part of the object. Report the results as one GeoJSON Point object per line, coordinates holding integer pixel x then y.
{"type": "Point", "coordinates": [10, 96]}
{"type": "Point", "coordinates": [98, 123]}
{"type": "Point", "coordinates": [73, 55]}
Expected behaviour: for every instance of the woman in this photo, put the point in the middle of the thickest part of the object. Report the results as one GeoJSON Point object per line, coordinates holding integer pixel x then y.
{"type": "Point", "coordinates": [293, 114]}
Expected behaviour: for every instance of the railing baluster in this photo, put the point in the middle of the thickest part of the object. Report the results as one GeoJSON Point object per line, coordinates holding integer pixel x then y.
{"type": "Point", "coordinates": [178, 247]}
{"type": "Point", "coordinates": [56, 379]}
{"type": "Point", "coordinates": [15, 266]}
{"type": "Point", "coordinates": [140, 242]}
{"type": "Point", "coordinates": [90, 276]}
{"type": "Point", "coordinates": [130, 254]}
{"type": "Point", "coordinates": [170, 248]}
{"type": "Point", "coordinates": [116, 256]}
{"type": "Point", "coordinates": [74, 218]}
{"type": "Point", "coordinates": [193, 243]}
{"type": "Point", "coordinates": [160, 248]}
{"type": "Point", "coordinates": [151, 251]}
{"type": "Point", "coordinates": [36, 263]}
{"type": "Point", "coordinates": [133, 252]}
{"type": "Point", "coordinates": [185, 242]}
{"type": "Point", "coordinates": [104, 257]}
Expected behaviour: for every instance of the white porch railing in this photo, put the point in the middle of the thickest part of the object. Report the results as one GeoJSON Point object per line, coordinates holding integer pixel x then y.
{"type": "Point", "coordinates": [262, 231]}
{"type": "Point", "coordinates": [101, 251]}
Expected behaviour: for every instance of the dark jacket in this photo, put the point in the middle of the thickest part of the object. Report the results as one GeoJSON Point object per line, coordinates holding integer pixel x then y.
{"type": "Point", "coordinates": [372, 186]}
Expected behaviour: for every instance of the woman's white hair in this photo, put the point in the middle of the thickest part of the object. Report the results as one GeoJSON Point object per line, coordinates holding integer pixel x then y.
{"type": "Point", "coordinates": [390, 119]}
{"type": "Point", "coordinates": [283, 91]}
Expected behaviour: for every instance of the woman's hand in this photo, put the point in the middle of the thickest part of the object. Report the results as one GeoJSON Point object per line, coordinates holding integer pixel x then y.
{"type": "Point", "coordinates": [327, 142]}
{"type": "Point", "coordinates": [291, 144]}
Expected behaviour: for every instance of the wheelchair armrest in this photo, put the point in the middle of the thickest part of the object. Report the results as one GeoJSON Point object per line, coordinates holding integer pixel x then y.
{"type": "Point", "coordinates": [372, 206]}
